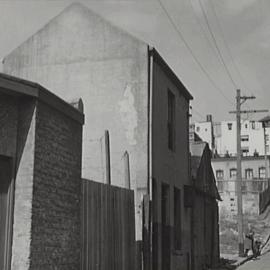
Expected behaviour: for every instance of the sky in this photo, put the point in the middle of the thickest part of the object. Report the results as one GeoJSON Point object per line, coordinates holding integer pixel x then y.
{"type": "Point", "coordinates": [213, 46]}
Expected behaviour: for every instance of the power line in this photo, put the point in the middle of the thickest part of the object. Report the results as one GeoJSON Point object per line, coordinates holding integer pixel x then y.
{"type": "Point", "coordinates": [216, 44]}
{"type": "Point", "coordinates": [226, 45]}
{"type": "Point", "coordinates": [191, 52]}
{"type": "Point", "coordinates": [202, 28]}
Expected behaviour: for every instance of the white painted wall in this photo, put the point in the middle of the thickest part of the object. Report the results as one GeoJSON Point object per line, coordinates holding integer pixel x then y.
{"type": "Point", "coordinates": [204, 130]}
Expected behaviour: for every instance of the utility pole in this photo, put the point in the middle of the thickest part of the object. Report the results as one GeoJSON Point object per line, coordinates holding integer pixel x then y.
{"type": "Point", "coordinates": [239, 101]}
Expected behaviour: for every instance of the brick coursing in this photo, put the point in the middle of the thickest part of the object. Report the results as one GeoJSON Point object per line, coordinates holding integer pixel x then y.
{"type": "Point", "coordinates": [56, 192]}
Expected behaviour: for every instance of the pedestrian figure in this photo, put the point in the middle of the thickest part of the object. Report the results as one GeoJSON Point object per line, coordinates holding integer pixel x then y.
{"type": "Point", "coordinates": [249, 242]}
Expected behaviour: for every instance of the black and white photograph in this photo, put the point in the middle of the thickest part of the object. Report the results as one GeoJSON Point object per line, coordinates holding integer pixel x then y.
{"type": "Point", "coordinates": [134, 135]}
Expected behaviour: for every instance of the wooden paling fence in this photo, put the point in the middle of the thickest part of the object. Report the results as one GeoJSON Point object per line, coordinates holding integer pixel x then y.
{"type": "Point", "coordinates": [108, 227]}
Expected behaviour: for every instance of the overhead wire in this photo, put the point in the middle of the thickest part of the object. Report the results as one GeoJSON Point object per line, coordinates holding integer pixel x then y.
{"type": "Point", "coordinates": [227, 46]}
{"type": "Point", "coordinates": [216, 45]}
{"type": "Point", "coordinates": [192, 54]}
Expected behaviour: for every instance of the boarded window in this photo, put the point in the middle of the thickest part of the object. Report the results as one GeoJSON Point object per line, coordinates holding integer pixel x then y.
{"type": "Point", "coordinates": [177, 219]}
{"type": "Point", "coordinates": [171, 120]}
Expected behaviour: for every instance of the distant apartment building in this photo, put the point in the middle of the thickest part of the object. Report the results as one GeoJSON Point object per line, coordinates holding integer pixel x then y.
{"type": "Point", "coordinates": [254, 181]}
{"type": "Point", "coordinates": [129, 90]}
{"type": "Point", "coordinates": [221, 137]}
{"type": "Point", "coordinates": [252, 138]}
{"type": "Point", "coordinates": [204, 131]}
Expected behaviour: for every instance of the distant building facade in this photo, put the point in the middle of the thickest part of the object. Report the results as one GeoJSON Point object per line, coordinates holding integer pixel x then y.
{"type": "Point", "coordinates": [254, 181]}
{"type": "Point", "coordinates": [205, 131]}
{"type": "Point", "coordinates": [252, 138]}
{"type": "Point", "coordinates": [221, 137]}
{"type": "Point", "coordinates": [129, 90]}
{"type": "Point", "coordinates": [40, 173]}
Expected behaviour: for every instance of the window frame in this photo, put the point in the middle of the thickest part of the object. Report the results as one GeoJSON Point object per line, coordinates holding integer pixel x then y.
{"type": "Point", "coordinates": [247, 173]}
{"type": "Point", "coordinates": [217, 173]}
{"type": "Point", "coordinates": [260, 168]}
{"type": "Point", "coordinates": [171, 119]}
{"type": "Point", "coordinates": [233, 170]}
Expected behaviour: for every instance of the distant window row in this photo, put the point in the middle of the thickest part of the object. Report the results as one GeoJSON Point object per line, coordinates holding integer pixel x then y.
{"type": "Point", "coordinates": [248, 173]}
{"type": "Point", "coordinates": [252, 125]}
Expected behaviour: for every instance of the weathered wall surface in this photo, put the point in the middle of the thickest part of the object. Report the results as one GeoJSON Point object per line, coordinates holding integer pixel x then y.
{"type": "Point", "coordinates": [18, 138]}
{"type": "Point", "coordinates": [56, 224]}
{"type": "Point", "coordinates": [78, 54]}
{"type": "Point", "coordinates": [170, 167]}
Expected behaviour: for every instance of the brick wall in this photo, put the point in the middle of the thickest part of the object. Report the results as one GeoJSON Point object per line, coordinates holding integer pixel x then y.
{"type": "Point", "coordinates": [8, 125]}
{"type": "Point", "coordinates": [56, 192]}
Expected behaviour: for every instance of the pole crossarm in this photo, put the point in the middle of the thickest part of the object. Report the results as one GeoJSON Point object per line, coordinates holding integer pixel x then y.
{"type": "Point", "coordinates": [247, 97]}
{"type": "Point", "coordinates": [250, 111]}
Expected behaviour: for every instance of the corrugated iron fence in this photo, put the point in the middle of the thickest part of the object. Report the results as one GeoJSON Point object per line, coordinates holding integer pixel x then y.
{"type": "Point", "coordinates": [108, 230]}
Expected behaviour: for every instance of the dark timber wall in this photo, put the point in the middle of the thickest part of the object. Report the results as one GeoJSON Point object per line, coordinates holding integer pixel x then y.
{"type": "Point", "coordinates": [108, 227]}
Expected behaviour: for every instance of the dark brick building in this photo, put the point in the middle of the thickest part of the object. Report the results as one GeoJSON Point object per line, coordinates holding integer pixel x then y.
{"type": "Point", "coordinates": [40, 172]}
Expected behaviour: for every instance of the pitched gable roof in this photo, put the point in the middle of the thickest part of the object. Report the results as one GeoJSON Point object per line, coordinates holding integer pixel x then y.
{"type": "Point", "coordinates": [201, 169]}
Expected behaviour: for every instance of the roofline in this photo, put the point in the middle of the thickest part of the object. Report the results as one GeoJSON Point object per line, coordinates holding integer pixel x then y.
{"type": "Point", "coordinates": [170, 73]}
{"type": "Point", "coordinates": [18, 86]}
{"type": "Point", "coordinates": [220, 159]}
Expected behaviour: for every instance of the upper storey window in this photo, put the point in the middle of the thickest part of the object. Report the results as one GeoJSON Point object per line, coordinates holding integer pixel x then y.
{"type": "Point", "coordinates": [229, 126]}
{"type": "Point", "coordinates": [171, 120]}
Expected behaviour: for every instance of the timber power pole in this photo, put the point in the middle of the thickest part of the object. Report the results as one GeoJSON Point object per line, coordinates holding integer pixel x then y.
{"type": "Point", "coordinates": [239, 101]}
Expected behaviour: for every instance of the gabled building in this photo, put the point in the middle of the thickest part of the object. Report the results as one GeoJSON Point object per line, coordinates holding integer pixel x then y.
{"type": "Point", "coordinates": [130, 90]}
{"type": "Point", "coordinates": [205, 216]}
{"type": "Point", "coordinates": [40, 178]}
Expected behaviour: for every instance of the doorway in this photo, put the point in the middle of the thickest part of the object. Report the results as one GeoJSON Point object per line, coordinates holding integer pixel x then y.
{"type": "Point", "coordinates": [165, 224]}
{"type": "Point", "coordinates": [5, 211]}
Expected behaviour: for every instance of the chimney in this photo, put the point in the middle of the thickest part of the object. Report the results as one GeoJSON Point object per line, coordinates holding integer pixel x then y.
{"type": "Point", "coordinates": [209, 118]}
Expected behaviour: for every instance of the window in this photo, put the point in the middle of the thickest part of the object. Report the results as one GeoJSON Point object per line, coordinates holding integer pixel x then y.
{"type": "Point", "coordinates": [245, 151]}
{"type": "Point", "coordinates": [266, 137]}
{"type": "Point", "coordinates": [229, 126]}
{"type": "Point", "coordinates": [233, 173]}
{"type": "Point", "coordinates": [219, 174]}
{"type": "Point", "coordinates": [262, 172]}
{"type": "Point", "coordinates": [171, 120]}
{"type": "Point", "coordinates": [246, 126]}
{"type": "Point", "coordinates": [177, 219]}
{"type": "Point", "coordinates": [249, 174]}
{"type": "Point", "coordinates": [244, 138]}
{"type": "Point", "coordinates": [197, 129]}
{"type": "Point", "coordinates": [253, 124]}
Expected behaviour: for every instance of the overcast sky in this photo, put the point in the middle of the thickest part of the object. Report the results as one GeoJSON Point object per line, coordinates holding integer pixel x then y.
{"type": "Point", "coordinates": [187, 34]}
